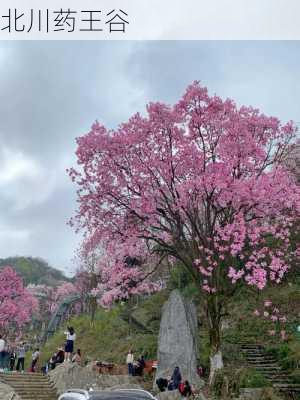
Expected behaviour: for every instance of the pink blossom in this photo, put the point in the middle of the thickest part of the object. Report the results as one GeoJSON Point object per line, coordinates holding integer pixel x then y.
{"type": "Point", "coordinates": [201, 179]}
{"type": "Point", "coordinates": [17, 304]}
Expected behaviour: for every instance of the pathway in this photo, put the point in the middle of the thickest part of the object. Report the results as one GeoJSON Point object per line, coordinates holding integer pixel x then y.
{"type": "Point", "coordinates": [258, 358]}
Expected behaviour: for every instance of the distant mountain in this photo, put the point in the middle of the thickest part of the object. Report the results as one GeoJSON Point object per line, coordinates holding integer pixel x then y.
{"type": "Point", "coordinates": [34, 270]}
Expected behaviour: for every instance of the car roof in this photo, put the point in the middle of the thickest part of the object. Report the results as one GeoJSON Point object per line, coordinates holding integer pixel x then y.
{"type": "Point", "coordinates": [116, 394]}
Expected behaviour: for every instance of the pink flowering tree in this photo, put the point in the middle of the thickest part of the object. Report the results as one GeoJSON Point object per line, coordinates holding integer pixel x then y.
{"type": "Point", "coordinates": [202, 183]}
{"type": "Point", "coordinates": [49, 298]}
{"type": "Point", "coordinates": [17, 304]}
{"type": "Point", "coordinates": [111, 274]}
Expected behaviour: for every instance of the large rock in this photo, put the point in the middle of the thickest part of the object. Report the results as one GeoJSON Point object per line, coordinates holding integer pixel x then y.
{"type": "Point", "coordinates": [70, 375]}
{"type": "Point", "coordinates": [169, 395]}
{"type": "Point", "coordinates": [177, 344]}
{"type": "Point", "coordinates": [7, 392]}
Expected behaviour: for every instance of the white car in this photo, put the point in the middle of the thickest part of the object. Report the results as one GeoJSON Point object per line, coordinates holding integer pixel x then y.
{"type": "Point", "coordinates": [118, 394]}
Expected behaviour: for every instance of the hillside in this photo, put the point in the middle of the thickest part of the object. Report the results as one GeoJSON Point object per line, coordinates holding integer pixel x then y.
{"type": "Point", "coordinates": [111, 335]}
{"type": "Point", "coordinates": [34, 270]}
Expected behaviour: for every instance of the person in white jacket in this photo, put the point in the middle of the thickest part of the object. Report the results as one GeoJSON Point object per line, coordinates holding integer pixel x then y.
{"type": "Point", "coordinates": [129, 362]}
{"type": "Point", "coordinates": [2, 352]}
{"type": "Point", "coordinates": [69, 347]}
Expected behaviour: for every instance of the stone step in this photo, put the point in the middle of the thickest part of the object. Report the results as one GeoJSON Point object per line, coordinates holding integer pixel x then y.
{"type": "Point", "coordinates": [34, 397]}
{"type": "Point", "coordinates": [259, 357]}
{"type": "Point", "coordinates": [37, 393]}
{"type": "Point", "coordinates": [263, 362]}
{"type": "Point", "coordinates": [23, 381]}
{"type": "Point", "coordinates": [279, 379]}
{"type": "Point", "coordinates": [30, 386]}
{"type": "Point", "coordinates": [25, 373]}
{"type": "Point", "coordinates": [23, 378]}
{"type": "Point", "coordinates": [254, 352]}
{"type": "Point", "coordinates": [276, 376]}
{"type": "Point", "coordinates": [264, 365]}
{"type": "Point", "coordinates": [295, 388]}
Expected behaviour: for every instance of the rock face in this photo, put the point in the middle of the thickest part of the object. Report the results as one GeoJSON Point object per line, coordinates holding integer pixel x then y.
{"type": "Point", "coordinates": [70, 375]}
{"type": "Point", "coordinates": [177, 345]}
{"type": "Point", "coordinates": [169, 395]}
{"type": "Point", "coordinates": [7, 392]}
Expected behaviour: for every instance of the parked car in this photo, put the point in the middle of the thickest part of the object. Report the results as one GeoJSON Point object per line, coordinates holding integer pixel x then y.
{"type": "Point", "coordinates": [118, 394]}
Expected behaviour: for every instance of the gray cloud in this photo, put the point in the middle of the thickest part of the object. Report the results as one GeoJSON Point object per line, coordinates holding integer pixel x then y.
{"type": "Point", "coordinates": [51, 92]}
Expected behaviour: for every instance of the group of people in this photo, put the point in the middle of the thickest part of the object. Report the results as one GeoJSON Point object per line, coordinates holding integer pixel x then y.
{"type": "Point", "coordinates": [135, 367]}
{"type": "Point", "coordinates": [65, 354]}
{"type": "Point", "coordinates": [12, 356]}
{"type": "Point", "coordinates": [175, 382]}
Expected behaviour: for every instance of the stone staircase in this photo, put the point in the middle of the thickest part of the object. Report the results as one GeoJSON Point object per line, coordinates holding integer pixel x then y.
{"type": "Point", "coordinates": [258, 358]}
{"type": "Point", "coordinates": [30, 386]}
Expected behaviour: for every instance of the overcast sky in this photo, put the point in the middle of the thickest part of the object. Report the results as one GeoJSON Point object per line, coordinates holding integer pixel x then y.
{"type": "Point", "coordinates": [51, 93]}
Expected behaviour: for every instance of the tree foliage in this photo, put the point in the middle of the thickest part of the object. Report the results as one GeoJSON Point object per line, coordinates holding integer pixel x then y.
{"type": "Point", "coordinates": [202, 183]}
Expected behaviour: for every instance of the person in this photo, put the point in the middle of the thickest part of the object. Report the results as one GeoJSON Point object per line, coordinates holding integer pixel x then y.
{"type": "Point", "coordinates": [200, 371]}
{"type": "Point", "coordinates": [129, 362]}
{"type": "Point", "coordinates": [77, 357]}
{"type": "Point", "coordinates": [21, 357]}
{"type": "Point", "coordinates": [139, 366]}
{"type": "Point", "coordinates": [12, 359]}
{"type": "Point", "coordinates": [45, 368]}
{"type": "Point", "coordinates": [35, 357]}
{"type": "Point", "coordinates": [176, 378]}
{"type": "Point", "coordinates": [162, 384]}
{"type": "Point", "coordinates": [52, 361]}
{"type": "Point", "coordinates": [69, 348]}
{"type": "Point", "coordinates": [2, 352]}
{"type": "Point", "coordinates": [185, 389]}
{"type": "Point", "coordinates": [170, 383]}
{"type": "Point", "coordinates": [59, 356]}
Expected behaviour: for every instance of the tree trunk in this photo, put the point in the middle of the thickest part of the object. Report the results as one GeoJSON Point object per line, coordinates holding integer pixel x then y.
{"type": "Point", "coordinates": [93, 308]}
{"type": "Point", "coordinates": [216, 358]}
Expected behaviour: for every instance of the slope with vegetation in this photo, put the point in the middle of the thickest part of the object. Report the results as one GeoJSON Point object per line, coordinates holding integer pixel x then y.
{"type": "Point", "coordinates": [110, 336]}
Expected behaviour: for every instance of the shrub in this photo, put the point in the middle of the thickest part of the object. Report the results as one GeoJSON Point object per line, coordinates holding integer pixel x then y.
{"type": "Point", "coordinates": [288, 354]}
{"type": "Point", "coordinates": [250, 378]}
{"type": "Point", "coordinates": [296, 376]}
{"type": "Point", "coordinates": [228, 382]}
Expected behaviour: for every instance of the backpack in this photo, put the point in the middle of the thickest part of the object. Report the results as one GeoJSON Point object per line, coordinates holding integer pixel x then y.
{"type": "Point", "coordinates": [181, 387]}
